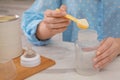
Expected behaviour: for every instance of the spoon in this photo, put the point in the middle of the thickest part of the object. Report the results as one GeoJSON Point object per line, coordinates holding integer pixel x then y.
{"type": "Point", "coordinates": [81, 23]}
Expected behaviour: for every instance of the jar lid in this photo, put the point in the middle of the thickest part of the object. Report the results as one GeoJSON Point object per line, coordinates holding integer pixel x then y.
{"type": "Point", "coordinates": [6, 18]}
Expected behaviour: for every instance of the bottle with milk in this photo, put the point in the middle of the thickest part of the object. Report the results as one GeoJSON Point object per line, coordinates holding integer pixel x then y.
{"type": "Point", "coordinates": [85, 48]}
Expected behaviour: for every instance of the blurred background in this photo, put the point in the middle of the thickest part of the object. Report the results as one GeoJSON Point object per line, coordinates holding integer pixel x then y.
{"type": "Point", "coordinates": [14, 6]}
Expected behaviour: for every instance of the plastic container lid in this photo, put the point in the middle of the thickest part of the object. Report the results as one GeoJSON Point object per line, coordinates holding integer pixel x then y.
{"type": "Point", "coordinates": [28, 61]}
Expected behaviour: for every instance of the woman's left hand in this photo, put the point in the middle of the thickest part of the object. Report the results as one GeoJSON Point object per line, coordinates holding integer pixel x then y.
{"type": "Point", "coordinates": [108, 50]}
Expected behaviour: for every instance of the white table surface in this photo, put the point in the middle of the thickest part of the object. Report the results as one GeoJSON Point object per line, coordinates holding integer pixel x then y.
{"type": "Point", "coordinates": [63, 53]}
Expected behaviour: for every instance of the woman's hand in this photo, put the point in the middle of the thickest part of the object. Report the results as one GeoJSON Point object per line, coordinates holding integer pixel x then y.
{"type": "Point", "coordinates": [108, 50]}
{"type": "Point", "coordinates": [54, 22]}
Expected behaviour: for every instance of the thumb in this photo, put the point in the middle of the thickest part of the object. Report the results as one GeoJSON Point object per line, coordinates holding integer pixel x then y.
{"type": "Point", "coordinates": [63, 8]}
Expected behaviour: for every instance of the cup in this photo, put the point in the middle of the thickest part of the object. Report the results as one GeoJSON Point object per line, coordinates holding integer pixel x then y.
{"type": "Point", "coordinates": [85, 49]}
{"type": "Point", "coordinates": [10, 37]}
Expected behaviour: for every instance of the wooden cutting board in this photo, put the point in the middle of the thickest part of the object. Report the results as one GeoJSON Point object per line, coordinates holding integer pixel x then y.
{"type": "Point", "coordinates": [25, 72]}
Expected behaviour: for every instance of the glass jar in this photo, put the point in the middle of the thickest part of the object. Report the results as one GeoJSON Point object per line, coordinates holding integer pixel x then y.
{"type": "Point", "coordinates": [85, 48]}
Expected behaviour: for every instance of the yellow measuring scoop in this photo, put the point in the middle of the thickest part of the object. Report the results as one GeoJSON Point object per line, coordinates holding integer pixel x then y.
{"type": "Point", "coordinates": [81, 23]}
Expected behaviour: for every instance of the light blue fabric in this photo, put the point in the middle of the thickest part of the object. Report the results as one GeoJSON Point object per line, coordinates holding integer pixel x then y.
{"type": "Point", "coordinates": [102, 15]}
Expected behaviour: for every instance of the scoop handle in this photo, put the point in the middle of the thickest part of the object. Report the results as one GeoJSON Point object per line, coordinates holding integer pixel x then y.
{"type": "Point", "coordinates": [68, 16]}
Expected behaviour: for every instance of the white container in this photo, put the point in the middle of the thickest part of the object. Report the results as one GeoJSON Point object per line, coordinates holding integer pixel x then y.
{"type": "Point", "coordinates": [30, 58]}
{"type": "Point", "coordinates": [10, 40]}
{"type": "Point", "coordinates": [30, 61]}
{"type": "Point", "coordinates": [85, 47]}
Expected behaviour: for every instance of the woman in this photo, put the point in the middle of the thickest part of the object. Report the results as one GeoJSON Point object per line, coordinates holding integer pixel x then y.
{"type": "Point", "coordinates": [41, 22]}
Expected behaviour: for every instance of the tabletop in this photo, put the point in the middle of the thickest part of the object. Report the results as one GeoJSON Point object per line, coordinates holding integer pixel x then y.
{"type": "Point", "coordinates": [64, 55]}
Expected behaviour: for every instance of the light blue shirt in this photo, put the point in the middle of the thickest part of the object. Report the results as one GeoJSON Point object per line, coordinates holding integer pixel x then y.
{"type": "Point", "coordinates": [102, 15]}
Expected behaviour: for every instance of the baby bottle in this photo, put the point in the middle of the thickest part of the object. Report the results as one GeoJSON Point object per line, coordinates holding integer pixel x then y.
{"type": "Point", "coordinates": [85, 48]}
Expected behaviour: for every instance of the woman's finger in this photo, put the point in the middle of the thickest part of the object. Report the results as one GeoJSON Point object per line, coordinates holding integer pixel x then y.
{"type": "Point", "coordinates": [107, 43]}
{"type": "Point", "coordinates": [102, 42]}
{"type": "Point", "coordinates": [59, 30]}
{"type": "Point", "coordinates": [107, 53]}
{"type": "Point", "coordinates": [101, 64]}
{"type": "Point", "coordinates": [55, 20]}
{"type": "Point", "coordinates": [51, 13]}
{"type": "Point", "coordinates": [63, 8]}
{"type": "Point", "coordinates": [57, 26]}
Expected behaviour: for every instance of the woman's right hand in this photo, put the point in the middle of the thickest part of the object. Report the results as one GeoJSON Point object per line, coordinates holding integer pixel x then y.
{"type": "Point", "coordinates": [54, 22]}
